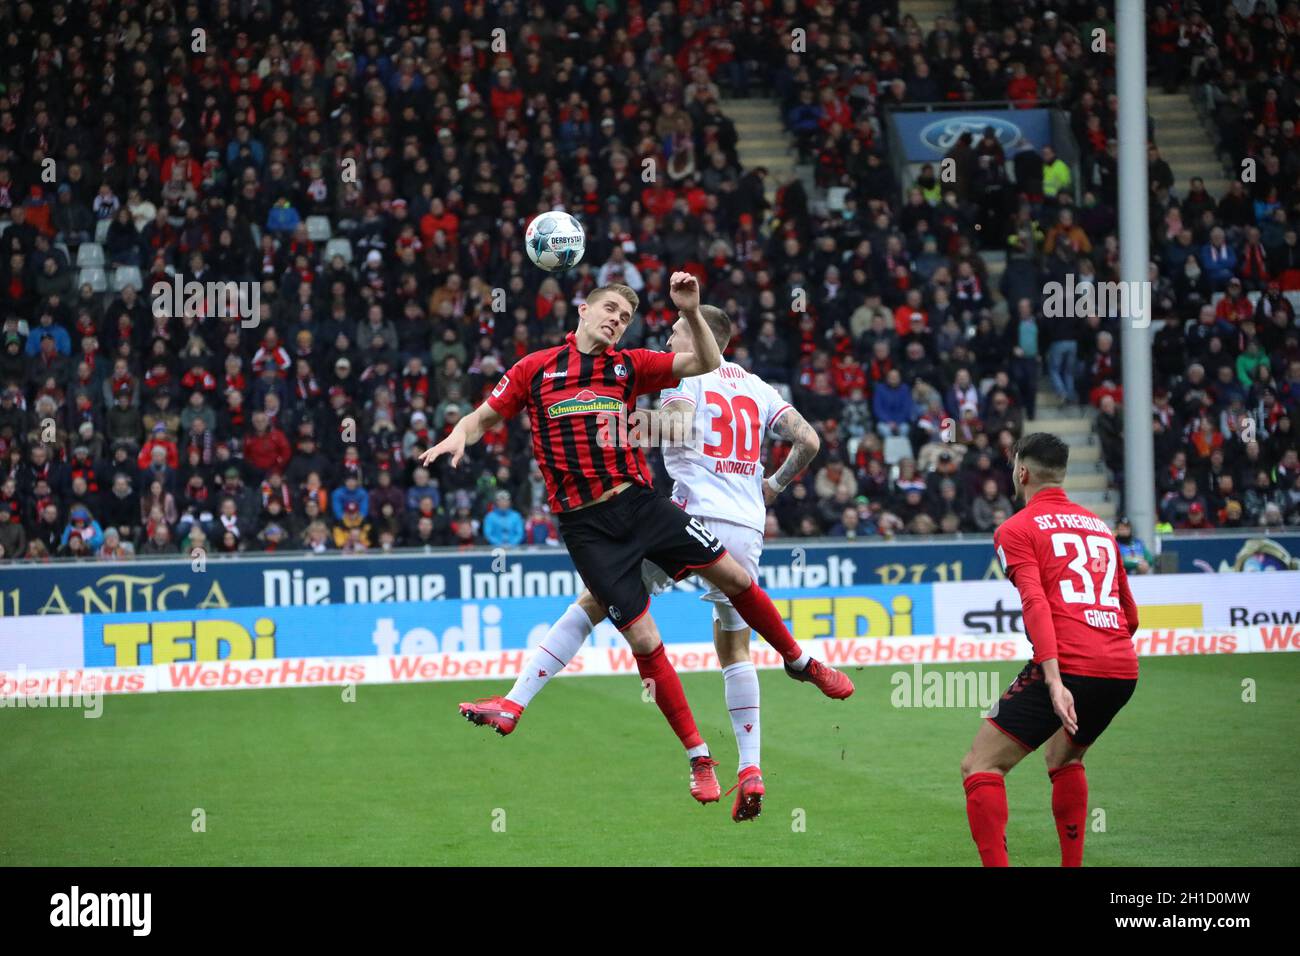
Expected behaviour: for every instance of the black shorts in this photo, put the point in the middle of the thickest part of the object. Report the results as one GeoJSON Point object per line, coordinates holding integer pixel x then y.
{"type": "Point", "coordinates": [608, 541]}
{"type": "Point", "coordinates": [1024, 713]}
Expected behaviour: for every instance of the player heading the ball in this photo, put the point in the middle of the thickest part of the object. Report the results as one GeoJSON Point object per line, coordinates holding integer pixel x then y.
{"type": "Point", "coordinates": [610, 516]}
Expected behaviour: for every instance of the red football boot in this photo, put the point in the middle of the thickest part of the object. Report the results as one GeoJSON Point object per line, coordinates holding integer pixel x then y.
{"type": "Point", "coordinates": [704, 782]}
{"type": "Point", "coordinates": [749, 801]}
{"type": "Point", "coordinates": [500, 714]}
{"type": "Point", "coordinates": [829, 681]}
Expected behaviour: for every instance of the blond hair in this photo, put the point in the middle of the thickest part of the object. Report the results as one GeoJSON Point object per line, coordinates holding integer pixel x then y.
{"type": "Point", "coordinates": [615, 288]}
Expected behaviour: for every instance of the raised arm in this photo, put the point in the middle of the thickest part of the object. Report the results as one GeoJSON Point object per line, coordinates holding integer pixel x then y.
{"type": "Point", "coordinates": [705, 355]}
{"type": "Point", "coordinates": [468, 431]}
{"type": "Point", "coordinates": [792, 427]}
{"type": "Point", "coordinates": [675, 417]}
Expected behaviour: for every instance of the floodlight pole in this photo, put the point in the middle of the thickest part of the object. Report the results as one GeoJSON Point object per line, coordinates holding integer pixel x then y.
{"type": "Point", "coordinates": [1135, 322]}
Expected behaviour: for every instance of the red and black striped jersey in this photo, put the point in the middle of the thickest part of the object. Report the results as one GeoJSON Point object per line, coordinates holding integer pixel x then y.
{"type": "Point", "coordinates": [569, 394]}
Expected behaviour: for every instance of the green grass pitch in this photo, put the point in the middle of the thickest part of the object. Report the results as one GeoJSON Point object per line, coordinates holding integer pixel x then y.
{"type": "Point", "coordinates": [1189, 774]}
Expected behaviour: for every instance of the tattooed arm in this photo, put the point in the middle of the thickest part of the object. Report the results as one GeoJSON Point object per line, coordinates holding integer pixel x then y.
{"type": "Point", "coordinates": [792, 427]}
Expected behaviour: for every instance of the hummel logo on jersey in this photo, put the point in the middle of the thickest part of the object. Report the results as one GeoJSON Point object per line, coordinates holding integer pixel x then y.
{"type": "Point", "coordinates": [554, 374]}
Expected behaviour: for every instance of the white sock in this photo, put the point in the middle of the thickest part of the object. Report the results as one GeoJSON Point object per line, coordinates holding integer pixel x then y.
{"type": "Point", "coordinates": [800, 662]}
{"type": "Point", "coordinates": [699, 750]}
{"type": "Point", "coordinates": [740, 682]}
{"type": "Point", "coordinates": [558, 647]}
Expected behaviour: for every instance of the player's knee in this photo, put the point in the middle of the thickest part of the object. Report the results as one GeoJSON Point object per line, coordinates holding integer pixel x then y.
{"type": "Point", "coordinates": [587, 601]}
{"type": "Point", "coordinates": [1057, 761]}
{"type": "Point", "coordinates": [729, 577]}
{"type": "Point", "coordinates": [732, 646]}
{"type": "Point", "coordinates": [974, 763]}
{"type": "Point", "coordinates": [642, 636]}
{"type": "Point", "coordinates": [642, 643]}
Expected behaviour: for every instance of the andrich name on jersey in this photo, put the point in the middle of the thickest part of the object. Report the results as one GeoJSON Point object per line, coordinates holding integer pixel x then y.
{"type": "Point", "coordinates": [735, 467]}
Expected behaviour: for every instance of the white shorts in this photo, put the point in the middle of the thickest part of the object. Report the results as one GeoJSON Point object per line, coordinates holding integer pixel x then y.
{"type": "Point", "coordinates": [743, 543]}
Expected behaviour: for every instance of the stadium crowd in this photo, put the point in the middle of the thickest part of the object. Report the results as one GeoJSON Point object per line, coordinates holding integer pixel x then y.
{"type": "Point", "coordinates": [215, 141]}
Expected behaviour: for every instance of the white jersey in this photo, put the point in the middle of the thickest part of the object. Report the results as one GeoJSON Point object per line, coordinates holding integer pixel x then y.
{"type": "Point", "coordinates": [719, 474]}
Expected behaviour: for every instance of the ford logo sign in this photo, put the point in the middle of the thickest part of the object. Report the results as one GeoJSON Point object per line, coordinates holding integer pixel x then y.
{"type": "Point", "coordinates": [942, 134]}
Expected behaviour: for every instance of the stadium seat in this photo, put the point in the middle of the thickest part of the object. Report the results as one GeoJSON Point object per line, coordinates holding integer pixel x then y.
{"type": "Point", "coordinates": [897, 448]}
{"type": "Point", "coordinates": [318, 228]}
{"type": "Point", "coordinates": [95, 276]}
{"type": "Point", "coordinates": [101, 229]}
{"type": "Point", "coordinates": [90, 255]}
{"type": "Point", "coordinates": [127, 275]}
{"type": "Point", "coordinates": [338, 247]}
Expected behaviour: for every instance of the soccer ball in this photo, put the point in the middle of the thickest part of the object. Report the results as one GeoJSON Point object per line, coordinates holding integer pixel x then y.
{"type": "Point", "coordinates": [555, 241]}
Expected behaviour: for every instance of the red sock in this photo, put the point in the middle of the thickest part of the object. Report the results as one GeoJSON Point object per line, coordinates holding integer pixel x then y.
{"type": "Point", "coordinates": [668, 694]}
{"type": "Point", "coordinates": [761, 614]}
{"type": "Point", "coordinates": [986, 808]}
{"type": "Point", "coordinates": [1070, 807]}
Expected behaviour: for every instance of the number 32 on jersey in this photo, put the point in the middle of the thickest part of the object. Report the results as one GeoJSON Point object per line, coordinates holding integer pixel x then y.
{"type": "Point", "coordinates": [1093, 561]}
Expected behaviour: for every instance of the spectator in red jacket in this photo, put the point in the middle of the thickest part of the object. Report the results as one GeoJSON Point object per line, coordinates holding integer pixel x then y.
{"type": "Point", "coordinates": [159, 439]}
{"type": "Point", "coordinates": [848, 374]}
{"type": "Point", "coordinates": [912, 306]}
{"type": "Point", "coordinates": [182, 158]}
{"type": "Point", "coordinates": [439, 217]}
{"type": "Point", "coordinates": [506, 96]}
{"type": "Point", "coordinates": [266, 448]}
{"type": "Point", "coordinates": [1022, 88]}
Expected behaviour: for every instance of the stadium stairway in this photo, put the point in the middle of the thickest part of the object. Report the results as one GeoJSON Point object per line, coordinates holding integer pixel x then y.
{"type": "Point", "coordinates": [1185, 142]}
{"type": "Point", "coordinates": [762, 141]}
{"type": "Point", "coordinates": [1085, 479]}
